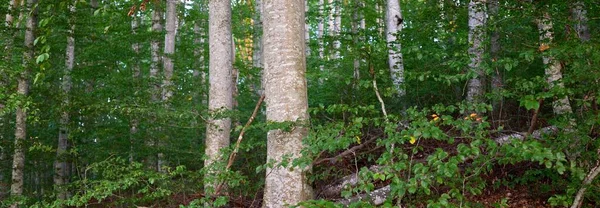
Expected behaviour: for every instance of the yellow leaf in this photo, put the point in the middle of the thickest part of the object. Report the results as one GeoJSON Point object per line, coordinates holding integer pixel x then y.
{"type": "Point", "coordinates": [473, 115]}
{"type": "Point", "coordinates": [358, 139]}
{"type": "Point", "coordinates": [412, 140]}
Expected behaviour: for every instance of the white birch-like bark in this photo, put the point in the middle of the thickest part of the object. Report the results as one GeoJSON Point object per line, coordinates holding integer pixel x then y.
{"type": "Point", "coordinates": [553, 67]}
{"type": "Point", "coordinates": [257, 52]}
{"type": "Point", "coordinates": [393, 26]}
{"type": "Point", "coordinates": [477, 20]}
{"type": "Point", "coordinates": [581, 21]}
{"type": "Point", "coordinates": [286, 101]}
{"type": "Point", "coordinates": [18, 166]}
{"type": "Point", "coordinates": [320, 31]}
{"type": "Point", "coordinates": [61, 167]}
{"type": "Point", "coordinates": [220, 97]}
{"type": "Point", "coordinates": [335, 26]}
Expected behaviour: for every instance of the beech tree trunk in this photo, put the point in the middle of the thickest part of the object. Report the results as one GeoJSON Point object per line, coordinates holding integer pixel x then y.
{"type": "Point", "coordinates": [553, 67]}
{"type": "Point", "coordinates": [16, 188]}
{"type": "Point", "coordinates": [335, 26]}
{"type": "Point", "coordinates": [286, 100]}
{"type": "Point", "coordinates": [496, 82]}
{"type": "Point", "coordinates": [4, 83]}
{"type": "Point", "coordinates": [61, 166]}
{"type": "Point", "coordinates": [581, 21]}
{"type": "Point", "coordinates": [134, 123]}
{"type": "Point", "coordinates": [220, 97]}
{"type": "Point", "coordinates": [393, 26]}
{"type": "Point", "coordinates": [156, 59]}
{"type": "Point", "coordinates": [477, 19]}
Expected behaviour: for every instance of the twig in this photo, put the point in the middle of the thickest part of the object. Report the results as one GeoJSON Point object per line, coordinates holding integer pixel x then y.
{"type": "Point", "coordinates": [588, 179]}
{"type": "Point", "coordinates": [534, 119]}
{"type": "Point", "coordinates": [239, 140]}
{"type": "Point", "coordinates": [344, 153]}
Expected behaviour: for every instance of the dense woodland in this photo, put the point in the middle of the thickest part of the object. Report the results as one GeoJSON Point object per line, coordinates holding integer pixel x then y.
{"type": "Point", "coordinates": [310, 103]}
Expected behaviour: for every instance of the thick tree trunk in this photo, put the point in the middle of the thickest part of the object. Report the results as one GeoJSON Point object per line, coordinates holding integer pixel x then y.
{"type": "Point", "coordinates": [220, 97]}
{"type": "Point", "coordinates": [16, 188]}
{"type": "Point", "coordinates": [286, 99]}
{"type": "Point", "coordinates": [61, 166]}
{"type": "Point", "coordinates": [393, 26]}
{"type": "Point", "coordinates": [553, 67]}
{"type": "Point", "coordinates": [477, 19]}
{"type": "Point", "coordinates": [581, 21]}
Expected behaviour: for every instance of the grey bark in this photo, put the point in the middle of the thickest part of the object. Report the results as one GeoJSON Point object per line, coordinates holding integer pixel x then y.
{"type": "Point", "coordinates": [3, 86]}
{"type": "Point", "coordinates": [335, 26]}
{"type": "Point", "coordinates": [16, 188]}
{"type": "Point", "coordinates": [477, 20]}
{"type": "Point", "coordinates": [169, 49]}
{"type": "Point", "coordinates": [286, 101]}
{"type": "Point", "coordinates": [393, 26]}
{"type": "Point", "coordinates": [553, 67]}
{"type": "Point", "coordinates": [358, 23]}
{"type": "Point", "coordinates": [320, 31]}
{"type": "Point", "coordinates": [61, 167]}
{"type": "Point", "coordinates": [496, 82]}
{"type": "Point", "coordinates": [135, 47]}
{"type": "Point", "coordinates": [257, 51]}
{"type": "Point", "coordinates": [154, 70]}
{"type": "Point", "coordinates": [581, 21]}
{"type": "Point", "coordinates": [220, 97]}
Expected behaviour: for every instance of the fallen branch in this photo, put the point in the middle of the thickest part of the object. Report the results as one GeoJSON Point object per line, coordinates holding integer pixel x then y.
{"type": "Point", "coordinates": [334, 190]}
{"type": "Point", "coordinates": [588, 179]}
{"type": "Point", "coordinates": [239, 140]}
{"type": "Point", "coordinates": [334, 159]}
{"type": "Point", "coordinates": [376, 197]}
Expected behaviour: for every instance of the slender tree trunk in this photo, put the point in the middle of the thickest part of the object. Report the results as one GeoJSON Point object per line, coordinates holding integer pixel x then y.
{"type": "Point", "coordinates": [553, 67]}
{"type": "Point", "coordinates": [395, 60]}
{"type": "Point", "coordinates": [581, 21]}
{"type": "Point", "coordinates": [496, 83]}
{"type": "Point", "coordinates": [167, 59]}
{"type": "Point", "coordinates": [320, 35]}
{"type": "Point", "coordinates": [477, 19]}
{"type": "Point", "coordinates": [257, 52]}
{"type": "Point", "coordinates": [358, 24]}
{"type": "Point", "coordinates": [221, 90]}
{"type": "Point", "coordinates": [61, 167]}
{"type": "Point", "coordinates": [286, 100]}
{"type": "Point", "coordinates": [16, 188]}
{"type": "Point", "coordinates": [306, 28]}
{"type": "Point", "coordinates": [135, 47]}
{"type": "Point", "coordinates": [154, 69]}
{"type": "Point", "coordinates": [335, 26]}
{"type": "Point", "coordinates": [4, 83]}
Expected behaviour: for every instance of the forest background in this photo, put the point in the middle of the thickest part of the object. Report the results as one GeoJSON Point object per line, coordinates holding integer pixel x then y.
{"type": "Point", "coordinates": [412, 103]}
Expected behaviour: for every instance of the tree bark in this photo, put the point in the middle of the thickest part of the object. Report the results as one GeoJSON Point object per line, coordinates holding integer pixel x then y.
{"type": "Point", "coordinates": [16, 188]}
{"type": "Point", "coordinates": [581, 21]}
{"type": "Point", "coordinates": [61, 166]}
{"type": "Point", "coordinates": [156, 59]}
{"type": "Point", "coordinates": [134, 123]}
{"type": "Point", "coordinates": [286, 101]}
{"type": "Point", "coordinates": [553, 67]}
{"type": "Point", "coordinates": [393, 26]}
{"type": "Point", "coordinates": [335, 26]}
{"type": "Point", "coordinates": [4, 83]}
{"type": "Point", "coordinates": [496, 82]}
{"type": "Point", "coordinates": [220, 97]}
{"type": "Point", "coordinates": [477, 20]}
